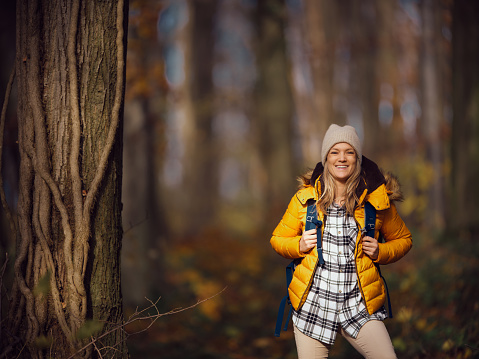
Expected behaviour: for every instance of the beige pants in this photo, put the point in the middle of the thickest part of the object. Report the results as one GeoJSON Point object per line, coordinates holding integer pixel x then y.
{"type": "Point", "coordinates": [372, 342]}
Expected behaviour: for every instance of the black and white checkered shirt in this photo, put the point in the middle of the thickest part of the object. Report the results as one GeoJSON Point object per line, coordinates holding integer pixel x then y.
{"type": "Point", "coordinates": [334, 300]}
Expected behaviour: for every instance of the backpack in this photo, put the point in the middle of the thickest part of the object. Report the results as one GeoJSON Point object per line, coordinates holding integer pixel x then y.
{"type": "Point", "coordinates": [313, 222]}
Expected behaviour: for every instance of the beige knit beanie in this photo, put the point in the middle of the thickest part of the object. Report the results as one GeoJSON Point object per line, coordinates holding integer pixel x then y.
{"type": "Point", "coordinates": [336, 134]}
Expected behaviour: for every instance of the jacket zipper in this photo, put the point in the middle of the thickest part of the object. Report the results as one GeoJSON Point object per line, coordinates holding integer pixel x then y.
{"type": "Point", "coordinates": [309, 284]}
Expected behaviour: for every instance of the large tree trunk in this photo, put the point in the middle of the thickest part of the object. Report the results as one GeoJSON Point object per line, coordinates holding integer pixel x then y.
{"type": "Point", "coordinates": [143, 156]}
{"type": "Point", "coordinates": [364, 95]}
{"type": "Point", "coordinates": [465, 130]}
{"type": "Point", "coordinates": [70, 67]}
{"type": "Point", "coordinates": [201, 168]}
{"type": "Point", "coordinates": [321, 31]}
{"type": "Point", "coordinates": [273, 126]}
{"type": "Point", "coordinates": [432, 123]}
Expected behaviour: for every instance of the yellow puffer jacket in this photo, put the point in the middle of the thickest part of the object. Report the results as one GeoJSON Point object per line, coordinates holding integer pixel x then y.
{"type": "Point", "coordinates": [380, 191]}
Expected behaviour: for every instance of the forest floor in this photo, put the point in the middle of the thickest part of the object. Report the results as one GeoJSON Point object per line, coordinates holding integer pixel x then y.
{"type": "Point", "coordinates": [434, 291]}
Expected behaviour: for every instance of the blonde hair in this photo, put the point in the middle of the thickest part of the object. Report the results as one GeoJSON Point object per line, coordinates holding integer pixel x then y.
{"type": "Point", "coordinates": [327, 194]}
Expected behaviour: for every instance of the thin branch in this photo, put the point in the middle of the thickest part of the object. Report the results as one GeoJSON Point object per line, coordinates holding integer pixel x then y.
{"type": "Point", "coordinates": [51, 266]}
{"type": "Point", "coordinates": [75, 168]}
{"type": "Point", "coordinates": [137, 317]}
{"type": "Point", "coordinates": [133, 225]}
{"type": "Point", "coordinates": [22, 270]}
{"type": "Point", "coordinates": [62, 209]}
{"type": "Point", "coordinates": [76, 120]}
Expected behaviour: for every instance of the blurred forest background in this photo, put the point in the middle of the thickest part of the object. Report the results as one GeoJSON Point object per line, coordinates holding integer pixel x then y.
{"type": "Point", "coordinates": [226, 104]}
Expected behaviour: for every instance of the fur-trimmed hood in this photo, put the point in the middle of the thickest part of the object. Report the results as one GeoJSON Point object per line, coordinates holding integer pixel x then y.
{"type": "Point", "coordinates": [373, 177]}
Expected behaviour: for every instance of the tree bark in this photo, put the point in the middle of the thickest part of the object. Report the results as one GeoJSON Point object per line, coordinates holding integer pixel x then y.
{"type": "Point", "coordinates": [201, 168]}
{"type": "Point", "coordinates": [321, 30]}
{"type": "Point", "coordinates": [432, 123]}
{"type": "Point", "coordinates": [274, 113]}
{"type": "Point", "coordinates": [70, 65]}
{"type": "Point", "coordinates": [465, 129]}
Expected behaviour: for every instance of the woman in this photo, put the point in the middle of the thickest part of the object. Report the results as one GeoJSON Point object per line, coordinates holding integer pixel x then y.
{"type": "Point", "coordinates": [344, 294]}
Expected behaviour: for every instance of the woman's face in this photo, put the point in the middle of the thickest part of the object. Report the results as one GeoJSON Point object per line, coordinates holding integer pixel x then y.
{"type": "Point", "coordinates": [341, 161]}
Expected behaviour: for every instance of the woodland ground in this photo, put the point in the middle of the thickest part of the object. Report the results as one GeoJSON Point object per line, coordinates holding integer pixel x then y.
{"type": "Point", "coordinates": [434, 290]}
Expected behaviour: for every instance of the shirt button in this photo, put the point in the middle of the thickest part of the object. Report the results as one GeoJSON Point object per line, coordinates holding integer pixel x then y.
{"type": "Point", "coordinates": [340, 252]}
{"type": "Point", "coordinates": [340, 291]}
{"type": "Point", "coordinates": [339, 232]}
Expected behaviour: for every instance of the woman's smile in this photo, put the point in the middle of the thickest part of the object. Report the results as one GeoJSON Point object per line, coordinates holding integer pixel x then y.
{"type": "Point", "coordinates": [341, 161]}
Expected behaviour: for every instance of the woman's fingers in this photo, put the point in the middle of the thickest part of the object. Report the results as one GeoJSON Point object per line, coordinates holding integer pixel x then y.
{"type": "Point", "coordinates": [371, 247]}
{"type": "Point", "coordinates": [308, 240]}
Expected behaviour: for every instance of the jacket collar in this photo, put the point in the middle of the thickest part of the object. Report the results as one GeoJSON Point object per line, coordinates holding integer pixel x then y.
{"type": "Point", "coordinates": [371, 188]}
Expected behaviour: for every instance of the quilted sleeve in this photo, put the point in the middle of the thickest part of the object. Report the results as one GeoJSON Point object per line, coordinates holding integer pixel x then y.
{"type": "Point", "coordinates": [286, 236]}
{"type": "Point", "coordinates": [398, 239]}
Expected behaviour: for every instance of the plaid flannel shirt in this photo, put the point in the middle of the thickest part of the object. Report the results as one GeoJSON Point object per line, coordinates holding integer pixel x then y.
{"type": "Point", "coordinates": [334, 300]}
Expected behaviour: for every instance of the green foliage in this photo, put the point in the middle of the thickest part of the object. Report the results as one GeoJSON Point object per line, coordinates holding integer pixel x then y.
{"type": "Point", "coordinates": [436, 299]}
{"type": "Point", "coordinates": [88, 329]}
{"type": "Point", "coordinates": [43, 342]}
{"type": "Point", "coordinates": [43, 286]}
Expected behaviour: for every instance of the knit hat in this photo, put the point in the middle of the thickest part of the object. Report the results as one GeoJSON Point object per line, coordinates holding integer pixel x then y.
{"type": "Point", "coordinates": [336, 134]}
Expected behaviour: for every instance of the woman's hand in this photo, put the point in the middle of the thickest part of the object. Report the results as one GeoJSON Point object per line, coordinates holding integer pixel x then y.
{"type": "Point", "coordinates": [371, 247]}
{"type": "Point", "coordinates": [308, 240]}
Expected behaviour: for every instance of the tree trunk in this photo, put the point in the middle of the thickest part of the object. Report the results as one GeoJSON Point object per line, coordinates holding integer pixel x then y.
{"type": "Point", "coordinates": [364, 94]}
{"type": "Point", "coordinates": [143, 156]}
{"type": "Point", "coordinates": [201, 172]}
{"type": "Point", "coordinates": [465, 128]}
{"type": "Point", "coordinates": [70, 67]}
{"type": "Point", "coordinates": [274, 113]}
{"type": "Point", "coordinates": [432, 122]}
{"type": "Point", "coordinates": [321, 29]}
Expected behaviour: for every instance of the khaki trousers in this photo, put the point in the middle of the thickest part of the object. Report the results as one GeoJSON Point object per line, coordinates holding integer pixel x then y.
{"type": "Point", "coordinates": [372, 342]}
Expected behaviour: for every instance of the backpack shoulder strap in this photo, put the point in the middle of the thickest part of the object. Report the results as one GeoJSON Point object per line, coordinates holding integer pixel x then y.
{"type": "Point", "coordinates": [310, 214]}
{"type": "Point", "coordinates": [284, 301]}
{"type": "Point", "coordinates": [369, 227]}
{"type": "Point", "coordinates": [369, 219]}
{"type": "Point", "coordinates": [312, 222]}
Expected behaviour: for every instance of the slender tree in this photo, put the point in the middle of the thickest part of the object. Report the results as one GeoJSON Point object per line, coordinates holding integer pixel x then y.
{"type": "Point", "coordinates": [201, 167]}
{"type": "Point", "coordinates": [433, 123]}
{"type": "Point", "coordinates": [70, 67]}
{"type": "Point", "coordinates": [465, 129]}
{"type": "Point", "coordinates": [273, 127]}
{"type": "Point", "coordinates": [321, 32]}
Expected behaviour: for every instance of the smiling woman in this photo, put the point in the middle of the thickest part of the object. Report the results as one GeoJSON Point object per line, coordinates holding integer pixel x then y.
{"type": "Point", "coordinates": [341, 162]}
{"type": "Point", "coordinates": [342, 292]}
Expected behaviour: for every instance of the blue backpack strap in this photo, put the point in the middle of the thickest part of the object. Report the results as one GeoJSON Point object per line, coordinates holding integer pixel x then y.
{"type": "Point", "coordinates": [369, 226]}
{"type": "Point", "coordinates": [282, 305]}
{"type": "Point", "coordinates": [312, 222]}
{"type": "Point", "coordinates": [369, 219]}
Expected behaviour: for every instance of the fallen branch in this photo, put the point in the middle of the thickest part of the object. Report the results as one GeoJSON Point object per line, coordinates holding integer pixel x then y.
{"type": "Point", "coordinates": [138, 316]}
